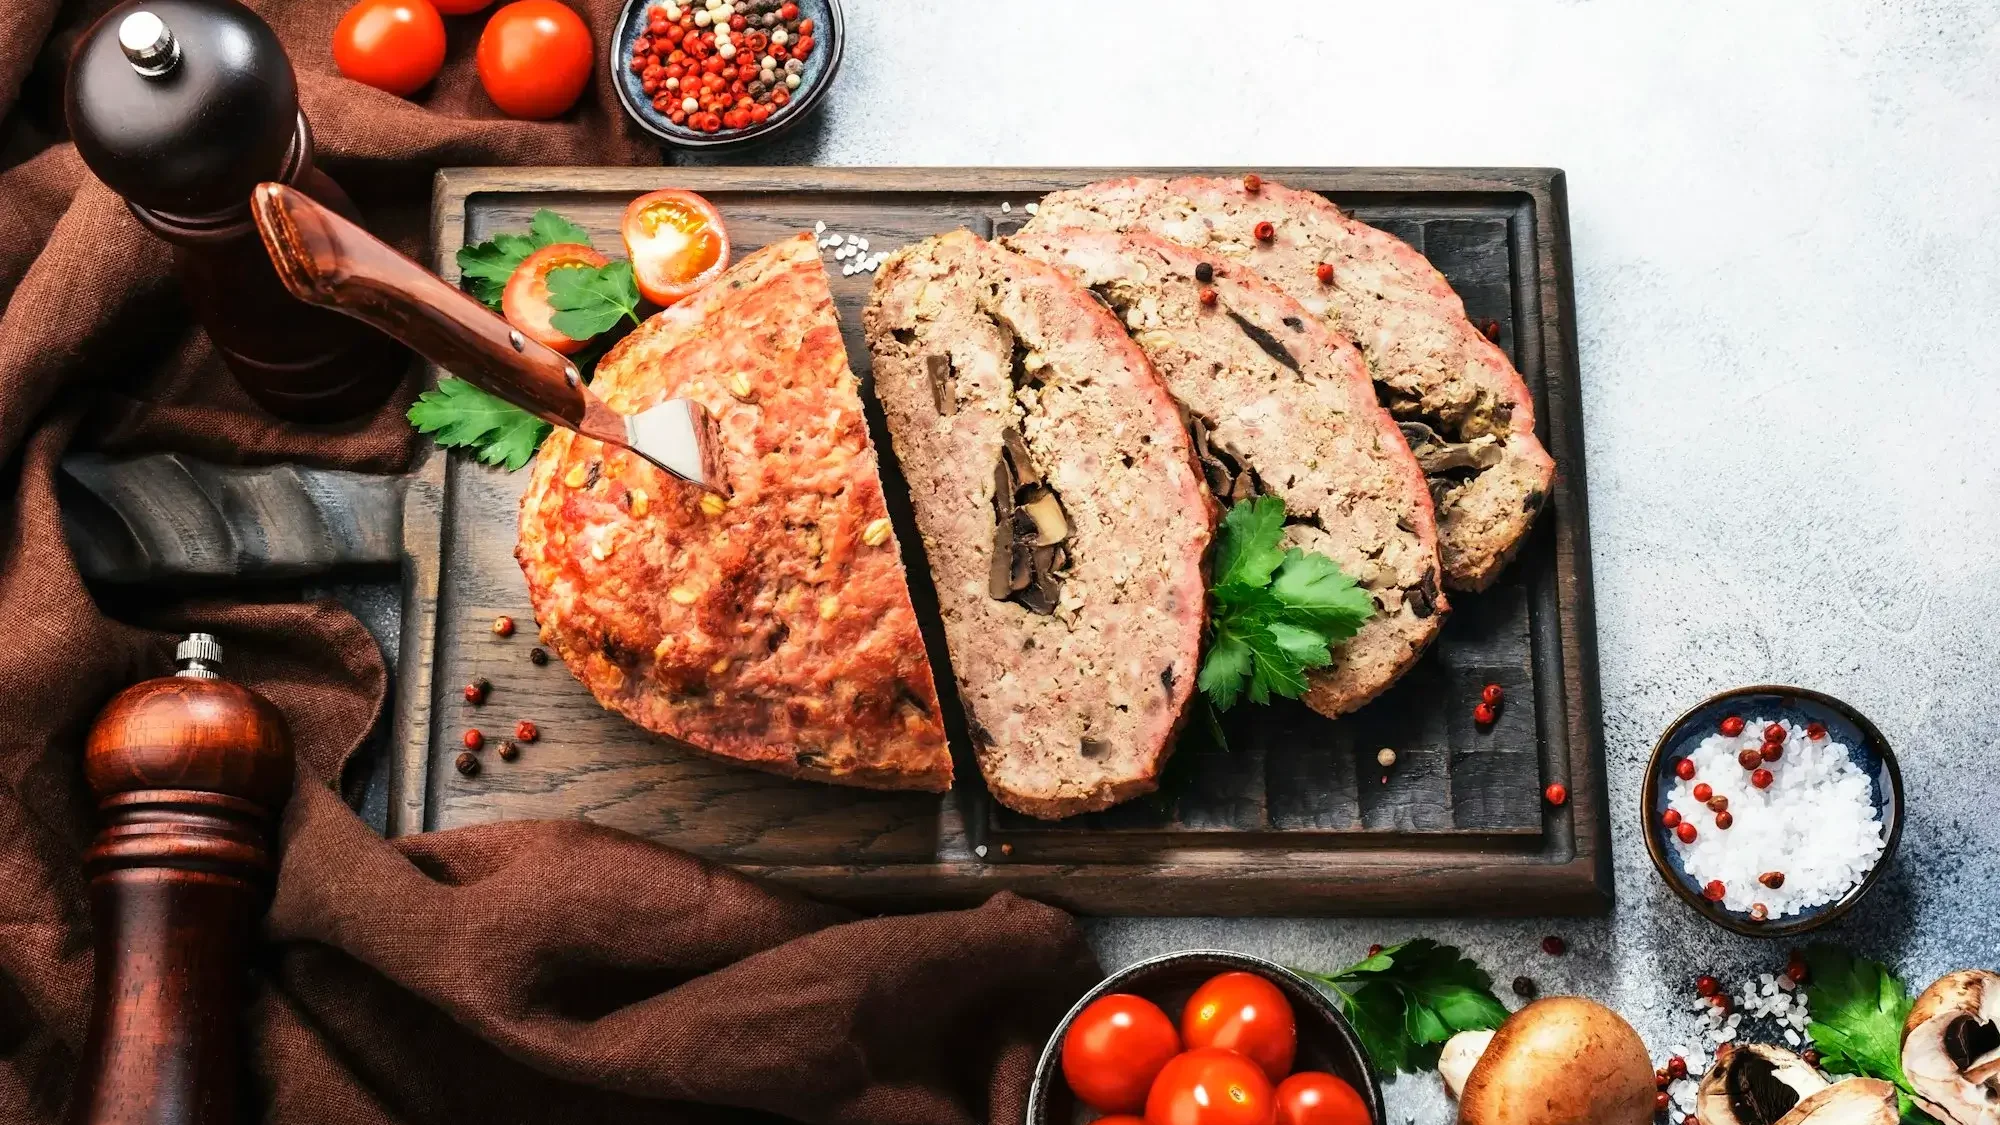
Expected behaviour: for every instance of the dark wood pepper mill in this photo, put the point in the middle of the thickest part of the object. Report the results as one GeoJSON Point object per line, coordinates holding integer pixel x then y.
{"type": "Point", "coordinates": [190, 772]}
{"type": "Point", "coordinates": [183, 106]}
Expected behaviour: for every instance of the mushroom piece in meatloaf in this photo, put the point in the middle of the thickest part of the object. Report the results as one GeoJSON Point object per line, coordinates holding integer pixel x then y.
{"type": "Point", "coordinates": [1467, 415]}
{"type": "Point", "coordinates": [1062, 514]}
{"type": "Point", "coordinates": [1280, 405]}
{"type": "Point", "coordinates": [775, 628]}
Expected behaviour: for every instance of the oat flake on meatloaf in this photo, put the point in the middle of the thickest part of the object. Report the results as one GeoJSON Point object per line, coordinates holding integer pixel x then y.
{"type": "Point", "coordinates": [1284, 408]}
{"type": "Point", "coordinates": [1489, 474]}
{"type": "Point", "coordinates": [776, 630]}
{"type": "Point", "coordinates": [1075, 690]}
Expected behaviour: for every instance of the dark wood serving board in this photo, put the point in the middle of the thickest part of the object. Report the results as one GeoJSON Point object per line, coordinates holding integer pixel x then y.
{"type": "Point", "coordinates": [1294, 817]}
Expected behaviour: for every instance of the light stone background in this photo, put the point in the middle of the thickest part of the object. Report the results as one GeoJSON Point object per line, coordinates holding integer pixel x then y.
{"type": "Point", "coordinates": [1786, 232]}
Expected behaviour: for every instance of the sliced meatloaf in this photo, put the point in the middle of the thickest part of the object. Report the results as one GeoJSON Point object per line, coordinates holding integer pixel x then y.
{"type": "Point", "coordinates": [1061, 511]}
{"type": "Point", "coordinates": [776, 628]}
{"type": "Point", "coordinates": [1468, 416]}
{"type": "Point", "coordinates": [1278, 403]}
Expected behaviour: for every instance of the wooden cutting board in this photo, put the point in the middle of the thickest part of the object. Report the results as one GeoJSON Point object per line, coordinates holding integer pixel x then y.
{"type": "Point", "coordinates": [1293, 817]}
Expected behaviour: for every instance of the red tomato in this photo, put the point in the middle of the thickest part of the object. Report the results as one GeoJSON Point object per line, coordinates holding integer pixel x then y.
{"type": "Point", "coordinates": [534, 58]}
{"type": "Point", "coordinates": [1114, 1049]}
{"type": "Point", "coordinates": [460, 7]}
{"type": "Point", "coordinates": [393, 45]}
{"type": "Point", "coordinates": [676, 242]}
{"type": "Point", "coordinates": [1313, 1097]}
{"type": "Point", "coordinates": [525, 302]}
{"type": "Point", "coordinates": [1245, 1013]}
{"type": "Point", "coordinates": [1210, 1086]}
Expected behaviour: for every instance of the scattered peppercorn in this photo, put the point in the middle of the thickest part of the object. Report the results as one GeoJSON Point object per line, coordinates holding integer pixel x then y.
{"type": "Point", "coordinates": [1816, 731]}
{"type": "Point", "coordinates": [1690, 1119]}
{"type": "Point", "coordinates": [1524, 987]}
{"type": "Point", "coordinates": [1772, 879]}
{"type": "Point", "coordinates": [1374, 949]}
{"type": "Point", "coordinates": [1556, 794]}
{"type": "Point", "coordinates": [1724, 819]}
{"type": "Point", "coordinates": [1684, 769]}
{"type": "Point", "coordinates": [1750, 757]}
{"type": "Point", "coordinates": [1774, 733]}
{"type": "Point", "coordinates": [1718, 803]}
{"type": "Point", "coordinates": [1208, 296]}
{"type": "Point", "coordinates": [1385, 757]}
{"type": "Point", "coordinates": [1772, 751]}
{"type": "Point", "coordinates": [1265, 232]}
{"type": "Point", "coordinates": [468, 764]}
{"type": "Point", "coordinates": [473, 740]}
{"type": "Point", "coordinates": [1713, 892]}
{"type": "Point", "coordinates": [1204, 273]}
{"type": "Point", "coordinates": [1706, 986]}
{"type": "Point", "coordinates": [538, 656]}
{"type": "Point", "coordinates": [1324, 271]}
{"type": "Point", "coordinates": [1671, 818]}
{"type": "Point", "coordinates": [1795, 968]}
{"type": "Point", "coordinates": [1253, 183]}
{"type": "Point", "coordinates": [1661, 1101]}
{"type": "Point", "coordinates": [475, 692]}
{"type": "Point", "coordinates": [1759, 912]}
{"type": "Point", "coordinates": [525, 731]}
{"type": "Point", "coordinates": [1732, 725]}
{"type": "Point", "coordinates": [1491, 330]}
{"type": "Point", "coordinates": [1554, 945]}
{"type": "Point", "coordinates": [503, 626]}
{"type": "Point", "coordinates": [1006, 849]}
{"type": "Point", "coordinates": [1685, 833]}
{"type": "Point", "coordinates": [1484, 714]}
{"type": "Point", "coordinates": [1677, 1067]}
{"type": "Point", "coordinates": [1703, 791]}
{"type": "Point", "coordinates": [1492, 693]}
{"type": "Point", "coordinates": [1810, 1056]}
{"type": "Point", "coordinates": [1721, 1003]}
{"type": "Point", "coordinates": [1661, 1078]}
{"type": "Point", "coordinates": [1762, 778]}
{"type": "Point", "coordinates": [509, 751]}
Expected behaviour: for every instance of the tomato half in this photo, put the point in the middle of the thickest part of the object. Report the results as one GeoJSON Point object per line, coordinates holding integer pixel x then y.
{"type": "Point", "coordinates": [534, 58]}
{"type": "Point", "coordinates": [1114, 1048]}
{"type": "Point", "coordinates": [1244, 1013]}
{"type": "Point", "coordinates": [1210, 1086]}
{"type": "Point", "coordinates": [677, 244]}
{"type": "Point", "coordinates": [393, 45]}
{"type": "Point", "coordinates": [525, 301]}
{"type": "Point", "coordinates": [1313, 1097]}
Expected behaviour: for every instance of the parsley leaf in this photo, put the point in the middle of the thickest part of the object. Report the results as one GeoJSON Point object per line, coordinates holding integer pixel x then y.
{"type": "Point", "coordinates": [1275, 614]}
{"type": "Point", "coordinates": [1406, 1000]}
{"type": "Point", "coordinates": [486, 266]}
{"type": "Point", "coordinates": [589, 301]}
{"type": "Point", "coordinates": [1858, 1008]}
{"type": "Point", "coordinates": [458, 413]}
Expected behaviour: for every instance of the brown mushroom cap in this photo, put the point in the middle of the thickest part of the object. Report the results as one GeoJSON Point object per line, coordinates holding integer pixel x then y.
{"type": "Point", "coordinates": [1562, 1060]}
{"type": "Point", "coordinates": [1951, 1048]}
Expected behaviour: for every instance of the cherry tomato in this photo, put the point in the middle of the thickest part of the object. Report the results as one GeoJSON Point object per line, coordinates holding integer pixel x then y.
{"type": "Point", "coordinates": [393, 45]}
{"type": "Point", "coordinates": [1114, 1049]}
{"type": "Point", "coordinates": [534, 58]}
{"type": "Point", "coordinates": [676, 242]}
{"type": "Point", "coordinates": [1313, 1097]}
{"type": "Point", "coordinates": [460, 7]}
{"type": "Point", "coordinates": [1245, 1013]}
{"type": "Point", "coordinates": [1211, 1086]}
{"type": "Point", "coordinates": [525, 301]}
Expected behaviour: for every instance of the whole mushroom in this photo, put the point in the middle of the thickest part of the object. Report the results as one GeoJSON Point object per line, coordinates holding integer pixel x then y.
{"type": "Point", "coordinates": [1757, 1084]}
{"type": "Point", "coordinates": [1951, 1048]}
{"type": "Point", "coordinates": [1562, 1060]}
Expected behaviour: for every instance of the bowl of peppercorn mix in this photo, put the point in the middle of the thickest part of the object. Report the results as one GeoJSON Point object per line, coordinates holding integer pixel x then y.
{"type": "Point", "coordinates": [719, 74]}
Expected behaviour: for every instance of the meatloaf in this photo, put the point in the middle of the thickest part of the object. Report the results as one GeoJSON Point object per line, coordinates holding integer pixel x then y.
{"type": "Point", "coordinates": [1467, 415]}
{"type": "Point", "coordinates": [1279, 404]}
{"type": "Point", "coordinates": [1062, 514]}
{"type": "Point", "coordinates": [775, 628]}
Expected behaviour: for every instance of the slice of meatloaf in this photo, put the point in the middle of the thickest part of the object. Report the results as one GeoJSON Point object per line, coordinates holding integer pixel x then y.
{"type": "Point", "coordinates": [1062, 515]}
{"type": "Point", "coordinates": [774, 629]}
{"type": "Point", "coordinates": [1280, 404]}
{"type": "Point", "coordinates": [1468, 416]}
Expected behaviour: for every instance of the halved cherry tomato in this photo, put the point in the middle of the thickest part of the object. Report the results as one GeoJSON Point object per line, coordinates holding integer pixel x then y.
{"type": "Point", "coordinates": [1114, 1049]}
{"type": "Point", "coordinates": [1210, 1086]}
{"type": "Point", "coordinates": [525, 301]}
{"type": "Point", "coordinates": [677, 244]}
{"type": "Point", "coordinates": [393, 45]}
{"type": "Point", "coordinates": [1313, 1097]}
{"type": "Point", "coordinates": [534, 58]}
{"type": "Point", "coordinates": [1245, 1013]}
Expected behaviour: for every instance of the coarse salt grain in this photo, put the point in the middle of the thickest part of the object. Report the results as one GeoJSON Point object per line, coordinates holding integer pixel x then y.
{"type": "Point", "coordinates": [1006, 207]}
{"type": "Point", "coordinates": [1816, 823]}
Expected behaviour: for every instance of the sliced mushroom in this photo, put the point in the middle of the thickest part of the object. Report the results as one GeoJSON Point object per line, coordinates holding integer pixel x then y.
{"type": "Point", "coordinates": [1016, 448]}
{"type": "Point", "coordinates": [1000, 569]}
{"type": "Point", "coordinates": [1853, 1101]}
{"type": "Point", "coordinates": [1755, 1084]}
{"type": "Point", "coordinates": [1951, 1048]}
{"type": "Point", "coordinates": [1042, 506]}
{"type": "Point", "coordinates": [944, 388]}
{"type": "Point", "coordinates": [1435, 455]}
{"type": "Point", "coordinates": [1562, 1060]}
{"type": "Point", "coordinates": [1461, 1053]}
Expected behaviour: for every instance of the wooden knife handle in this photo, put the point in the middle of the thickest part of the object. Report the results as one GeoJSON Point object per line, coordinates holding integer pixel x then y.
{"type": "Point", "coordinates": [325, 260]}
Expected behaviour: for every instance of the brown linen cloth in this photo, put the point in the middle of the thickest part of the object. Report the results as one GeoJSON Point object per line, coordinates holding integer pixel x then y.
{"type": "Point", "coordinates": [547, 971]}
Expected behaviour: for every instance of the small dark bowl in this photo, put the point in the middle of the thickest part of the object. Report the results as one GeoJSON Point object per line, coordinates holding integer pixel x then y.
{"type": "Point", "coordinates": [829, 32]}
{"type": "Point", "coordinates": [1871, 755]}
{"type": "Point", "coordinates": [1326, 1042]}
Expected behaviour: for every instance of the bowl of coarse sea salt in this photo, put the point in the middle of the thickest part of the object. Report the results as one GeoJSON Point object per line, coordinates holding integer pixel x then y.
{"type": "Point", "coordinates": [1772, 810]}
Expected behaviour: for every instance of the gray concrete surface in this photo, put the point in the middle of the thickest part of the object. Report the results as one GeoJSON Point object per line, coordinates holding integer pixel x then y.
{"type": "Point", "coordinates": [1787, 249]}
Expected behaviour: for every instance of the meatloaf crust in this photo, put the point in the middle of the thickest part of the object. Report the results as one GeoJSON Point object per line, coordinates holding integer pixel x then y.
{"type": "Point", "coordinates": [1470, 419]}
{"type": "Point", "coordinates": [1002, 381]}
{"type": "Point", "coordinates": [1283, 407]}
{"type": "Point", "coordinates": [775, 629]}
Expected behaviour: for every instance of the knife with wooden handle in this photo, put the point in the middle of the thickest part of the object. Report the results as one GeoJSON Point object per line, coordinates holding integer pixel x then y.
{"type": "Point", "coordinates": [326, 260]}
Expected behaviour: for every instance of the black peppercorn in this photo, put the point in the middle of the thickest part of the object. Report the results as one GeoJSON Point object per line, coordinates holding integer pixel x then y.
{"type": "Point", "coordinates": [1525, 988]}
{"type": "Point", "coordinates": [468, 763]}
{"type": "Point", "coordinates": [509, 751]}
{"type": "Point", "coordinates": [1204, 273]}
{"type": "Point", "coordinates": [538, 656]}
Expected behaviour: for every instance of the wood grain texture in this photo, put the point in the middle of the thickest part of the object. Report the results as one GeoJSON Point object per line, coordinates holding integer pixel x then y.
{"type": "Point", "coordinates": [1295, 817]}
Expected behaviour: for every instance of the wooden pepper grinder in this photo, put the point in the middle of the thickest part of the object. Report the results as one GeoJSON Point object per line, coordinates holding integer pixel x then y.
{"type": "Point", "coordinates": [190, 772]}
{"type": "Point", "coordinates": [183, 106]}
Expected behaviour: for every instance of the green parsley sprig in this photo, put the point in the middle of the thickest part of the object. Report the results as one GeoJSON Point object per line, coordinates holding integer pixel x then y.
{"type": "Point", "coordinates": [1275, 613]}
{"type": "Point", "coordinates": [1858, 1008]}
{"type": "Point", "coordinates": [1406, 1000]}
{"type": "Point", "coordinates": [486, 266]}
{"type": "Point", "coordinates": [460, 414]}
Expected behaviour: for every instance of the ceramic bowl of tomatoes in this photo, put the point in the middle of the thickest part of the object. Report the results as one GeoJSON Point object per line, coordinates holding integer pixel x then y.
{"type": "Point", "coordinates": [642, 38]}
{"type": "Point", "coordinates": [1204, 1037]}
